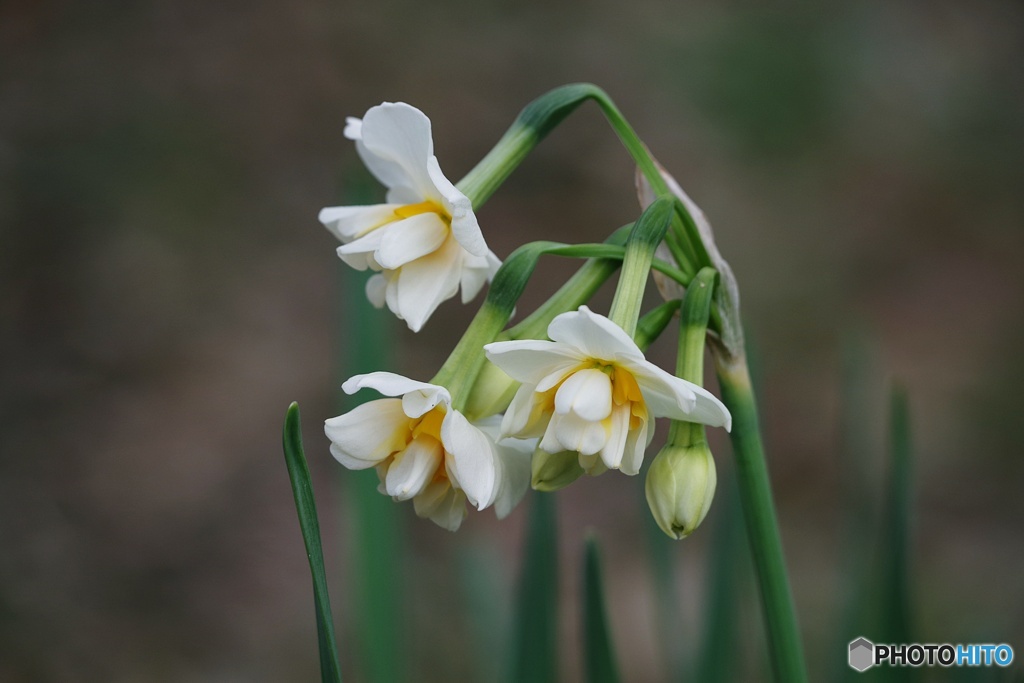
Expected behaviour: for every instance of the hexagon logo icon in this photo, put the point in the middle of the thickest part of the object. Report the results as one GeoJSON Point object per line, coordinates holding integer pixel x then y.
{"type": "Point", "coordinates": [862, 654]}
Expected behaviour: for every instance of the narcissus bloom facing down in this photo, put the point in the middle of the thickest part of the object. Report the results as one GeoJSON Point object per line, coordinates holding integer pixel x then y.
{"type": "Point", "coordinates": [427, 451]}
{"type": "Point", "coordinates": [590, 390]}
{"type": "Point", "coordinates": [424, 242]}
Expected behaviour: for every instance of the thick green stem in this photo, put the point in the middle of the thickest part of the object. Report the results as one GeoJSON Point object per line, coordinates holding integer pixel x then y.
{"type": "Point", "coordinates": [755, 492]}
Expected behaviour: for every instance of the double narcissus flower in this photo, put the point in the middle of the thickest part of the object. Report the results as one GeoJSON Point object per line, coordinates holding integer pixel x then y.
{"type": "Point", "coordinates": [427, 451]}
{"type": "Point", "coordinates": [590, 390]}
{"type": "Point", "coordinates": [425, 242]}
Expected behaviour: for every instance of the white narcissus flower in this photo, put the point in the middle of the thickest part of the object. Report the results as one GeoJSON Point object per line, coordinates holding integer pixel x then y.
{"type": "Point", "coordinates": [427, 451]}
{"type": "Point", "coordinates": [591, 390]}
{"type": "Point", "coordinates": [424, 242]}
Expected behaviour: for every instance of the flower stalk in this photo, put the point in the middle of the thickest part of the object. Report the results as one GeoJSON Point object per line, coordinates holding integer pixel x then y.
{"type": "Point", "coordinates": [647, 233]}
{"type": "Point", "coordinates": [781, 628]}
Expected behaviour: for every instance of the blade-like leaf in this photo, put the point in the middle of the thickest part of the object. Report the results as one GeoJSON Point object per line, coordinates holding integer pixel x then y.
{"type": "Point", "coordinates": [298, 472]}
{"type": "Point", "coordinates": [719, 657]}
{"type": "Point", "coordinates": [598, 651]}
{"type": "Point", "coordinates": [535, 657]}
{"type": "Point", "coordinates": [895, 576]}
{"type": "Point", "coordinates": [667, 615]}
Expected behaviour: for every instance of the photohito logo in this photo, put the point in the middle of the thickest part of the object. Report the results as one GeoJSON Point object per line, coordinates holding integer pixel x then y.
{"type": "Point", "coordinates": [864, 654]}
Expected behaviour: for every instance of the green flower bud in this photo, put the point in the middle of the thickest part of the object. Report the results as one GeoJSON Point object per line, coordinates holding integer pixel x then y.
{"type": "Point", "coordinates": [680, 485]}
{"type": "Point", "coordinates": [491, 393]}
{"type": "Point", "coordinates": [553, 471]}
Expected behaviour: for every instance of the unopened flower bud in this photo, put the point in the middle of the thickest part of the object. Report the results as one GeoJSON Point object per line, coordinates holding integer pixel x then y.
{"type": "Point", "coordinates": [553, 471]}
{"type": "Point", "coordinates": [492, 392]}
{"type": "Point", "coordinates": [680, 485]}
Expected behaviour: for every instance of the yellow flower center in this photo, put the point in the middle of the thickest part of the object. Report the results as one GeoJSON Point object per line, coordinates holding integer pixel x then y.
{"type": "Point", "coordinates": [429, 424]}
{"type": "Point", "coordinates": [410, 210]}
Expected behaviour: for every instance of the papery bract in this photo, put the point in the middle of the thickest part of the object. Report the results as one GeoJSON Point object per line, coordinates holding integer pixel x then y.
{"type": "Point", "coordinates": [424, 242]}
{"type": "Point", "coordinates": [425, 450]}
{"type": "Point", "coordinates": [592, 391]}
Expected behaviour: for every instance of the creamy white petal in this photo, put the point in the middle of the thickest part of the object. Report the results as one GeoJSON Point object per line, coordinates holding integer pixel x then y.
{"type": "Point", "coordinates": [349, 222]}
{"type": "Point", "coordinates": [515, 456]}
{"type": "Point", "coordinates": [410, 239]}
{"type": "Point", "coordinates": [413, 468]}
{"type": "Point", "coordinates": [417, 397]}
{"type": "Point", "coordinates": [367, 434]}
{"type": "Point", "coordinates": [531, 360]}
{"type": "Point", "coordinates": [710, 411]}
{"type": "Point", "coordinates": [517, 415]}
{"type": "Point", "coordinates": [587, 393]}
{"type": "Point", "coordinates": [441, 504]}
{"type": "Point", "coordinates": [594, 335]}
{"type": "Point", "coordinates": [557, 375]}
{"type": "Point", "coordinates": [476, 270]}
{"type": "Point", "coordinates": [636, 445]}
{"type": "Point", "coordinates": [424, 283]}
{"type": "Point", "coordinates": [359, 253]}
{"type": "Point", "coordinates": [353, 128]}
{"type": "Point", "coordinates": [669, 396]}
{"type": "Point", "coordinates": [464, 222]}
{"type": "Point", "coordinates": [577, 434]}
{"type": "Point", "coordinates": [376, 290]}
{"type": "Point", "coordinates": [396, 134]}
{"type": "Point", "coordinates": [473, 459]}
{"type": "Point", "coordinates": [614, 448]}
{"type": "Point", "coordinates": [665, 395]}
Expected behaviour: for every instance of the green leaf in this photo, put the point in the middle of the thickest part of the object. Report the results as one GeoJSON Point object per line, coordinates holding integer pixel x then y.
{"type": "Point", "coordinates": [598, 650]}
{"type": "Point", "coordinates": [535, 654]}
{"type": "Point", "coordinates": [895, 574]}
{"type": "Point", "coordinates": [330, 671]}
{"type": "Point", "coordinates": [667, 615]}
{"type": "Point", "coordinates": [719, 658]}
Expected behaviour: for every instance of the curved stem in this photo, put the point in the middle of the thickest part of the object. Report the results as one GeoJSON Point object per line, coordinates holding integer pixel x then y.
{"type": "Point", "coordinates": [759, 511]}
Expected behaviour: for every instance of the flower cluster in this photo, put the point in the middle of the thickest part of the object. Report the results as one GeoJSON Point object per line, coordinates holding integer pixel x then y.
{"type": "Point", "coordinates": [575, 391]}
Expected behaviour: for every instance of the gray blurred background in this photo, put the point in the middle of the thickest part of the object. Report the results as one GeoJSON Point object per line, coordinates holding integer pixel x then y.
{"type": "Point", "coordinates": [166, 290]}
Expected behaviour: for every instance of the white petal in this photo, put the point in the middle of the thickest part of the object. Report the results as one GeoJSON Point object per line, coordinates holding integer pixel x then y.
{"type": "Point", "coordinates": [413, 468]}
{"type": "Point", "coordinates": [557, 375]}
{"type": "Point", "coordinates": [665, 395]}
{"type": "Point", "coordinates": [515, 456]}
{"type": "Point", "coordinates": [359, 252]}
{"type": "Point", "coordinates": [464, 222]}
{"type": "Point", "coordinates": [376, 290]}
{"type": "Point", "coordinates": [417, 397]}
{"type": "Point", "coordinates": [531, 360]}
{"type": "Point", "coordinates": [424, 283]}
{"type": "Point", "coordinates": [396, 146]}
{"type": "Point", "coordinates": [473, 458]}
{"type": "Point", "coordinates": [349, 222]}
{"type": "Point", "coordinates": [410, 239]}
{"type": "Point", "coordinates": [476, 270]}
{"type": "Point", "coordinates": [587, 393]}
{"type": "Point", "coordinates": [353, 128]}
{"type": "Point", "coordinates": [612, 452]}
{"type": "Point", "coordinates": [441, 504]}
{"type": "Point", "coordinates": [669, 396]}
{"type": "Point", "coordinates": [710, 411]}
{"type": "Point", "coordinates": [636, 444]}
{"type": "Point", "coordinates": [577, 434]}
{"type": "Point", "coordinates": [593, 334]}
{"type": "Point", "coordinates": [367, 434]}
{"type": "Point", "coordinates": [518, 415]}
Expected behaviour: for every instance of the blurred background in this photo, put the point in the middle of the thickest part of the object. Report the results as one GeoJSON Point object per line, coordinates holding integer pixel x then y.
{"type": "Point", "coordinates": [166, 291]}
